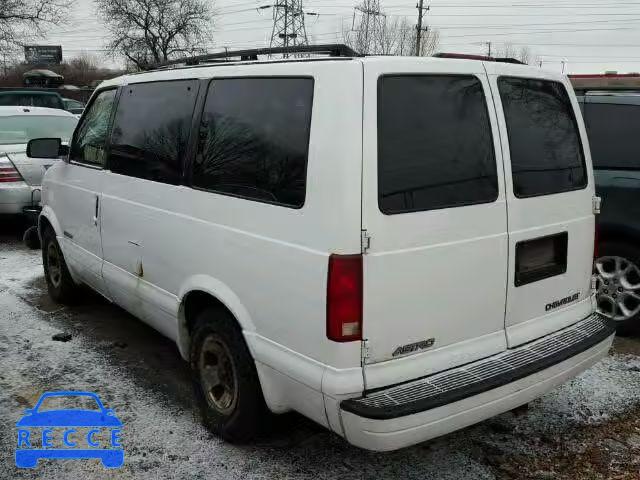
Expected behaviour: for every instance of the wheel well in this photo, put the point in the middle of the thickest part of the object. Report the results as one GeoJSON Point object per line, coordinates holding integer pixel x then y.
{"type": "Point", "coordinates": [621, 235]}
{"type": "Point", "coordinates": [195, 302]}
{"type": "Point", "coordinates": [43, 222]}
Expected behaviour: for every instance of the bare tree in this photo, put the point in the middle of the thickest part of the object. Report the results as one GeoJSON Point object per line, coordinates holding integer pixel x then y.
{"type": "Point", "coordinates": [524, 55]}
{"type": "Point", "coordinates": [153, 31]}
{"type": "Point", "coordinates": [24, 20]}
{"type": "Point", "coordinates": [398, 37]}
{"type": "Point", "coordinates": [506, 51]}
{"type": "Point", "coordinates": [395, 37]}
{"type": "Point", "coordinates": [509, 51]}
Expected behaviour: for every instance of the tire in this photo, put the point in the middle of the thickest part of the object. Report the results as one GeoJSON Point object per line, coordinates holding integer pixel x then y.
{"type": "Point", "coordinates": [60, 285]}
{"type": "Point", "coordinates": [31, 239]}
{"type": "Point", "coordinates": [607, 252]}
{"type": "Point", "coordinates": [217, 344]}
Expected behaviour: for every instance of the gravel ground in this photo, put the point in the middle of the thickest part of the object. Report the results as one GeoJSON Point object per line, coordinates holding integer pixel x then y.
{"type": "Point", "coordinates": [588, 428]}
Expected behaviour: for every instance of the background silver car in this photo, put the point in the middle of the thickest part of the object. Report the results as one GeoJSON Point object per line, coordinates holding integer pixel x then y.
{"type": "Point", "coordinates": [21, 176]}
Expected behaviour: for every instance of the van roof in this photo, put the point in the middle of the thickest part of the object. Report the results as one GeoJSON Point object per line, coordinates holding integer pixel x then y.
{"type": "Point", "coordinates": [207, 69]}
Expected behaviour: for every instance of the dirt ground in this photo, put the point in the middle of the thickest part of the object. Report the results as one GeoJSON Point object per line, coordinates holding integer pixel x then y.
{"type": "Point", "coordinates": [586, 429]}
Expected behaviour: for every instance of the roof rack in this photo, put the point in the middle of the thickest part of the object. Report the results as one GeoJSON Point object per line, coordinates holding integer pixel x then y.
{"type": "Point", "coordinates": [484, 58]}
{"type": "Point", "coordinates": [333, 50]}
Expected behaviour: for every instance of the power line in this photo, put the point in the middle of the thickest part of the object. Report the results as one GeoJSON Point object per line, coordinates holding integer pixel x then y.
{"type": "Point", "coordinates": [536, 5]}
{"type": "Point", "coordinates": [223, 29]}
{"type": "Point", "coordinates": [589, 45]}
{"type": "Point", "coordinates": [545, 31]}
{"type": "Point", "coordinates": [520, 25]}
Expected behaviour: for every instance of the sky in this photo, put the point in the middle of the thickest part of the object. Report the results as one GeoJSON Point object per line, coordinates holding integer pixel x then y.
{"type": "Point", "coordinates": [579, 36]}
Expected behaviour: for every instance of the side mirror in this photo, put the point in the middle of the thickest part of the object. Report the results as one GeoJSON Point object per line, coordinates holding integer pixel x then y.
{"type": "Point", "coordinates": [46, 148]}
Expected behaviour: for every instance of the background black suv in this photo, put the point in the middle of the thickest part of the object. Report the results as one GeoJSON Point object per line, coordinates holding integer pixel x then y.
{"type": "Point", "coordinates": [613, 126]}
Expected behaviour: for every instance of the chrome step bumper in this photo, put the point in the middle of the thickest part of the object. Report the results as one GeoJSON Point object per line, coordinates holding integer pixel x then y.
{"type": "Point", "coordinates": [477, 377]}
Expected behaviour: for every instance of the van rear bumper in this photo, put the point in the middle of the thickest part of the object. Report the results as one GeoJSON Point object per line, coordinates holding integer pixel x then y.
{"type": "Point", "coordinates": [415, 411]}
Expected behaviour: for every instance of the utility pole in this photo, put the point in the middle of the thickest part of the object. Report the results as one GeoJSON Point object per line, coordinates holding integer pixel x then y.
{"type": "Point", "coordinates": [288, 24]}
{"type": "Point", "coordinates": [419, 29]}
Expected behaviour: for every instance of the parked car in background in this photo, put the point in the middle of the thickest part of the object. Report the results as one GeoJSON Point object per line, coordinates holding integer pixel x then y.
{"type": "Point", "coordinates": [31, 97]}
{"type": "Point", "coordinates": [613, 126]}
{"type": "Point", "coordinates": [20, 175]}
{"type": "Point", "coordinates": [394, 247]}
{"type": "Point", "coordinates": [74, 106]}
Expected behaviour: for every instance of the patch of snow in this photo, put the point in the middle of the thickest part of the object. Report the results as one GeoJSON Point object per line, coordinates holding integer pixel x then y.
{"type": "Point", "coordinates": [163, 438]}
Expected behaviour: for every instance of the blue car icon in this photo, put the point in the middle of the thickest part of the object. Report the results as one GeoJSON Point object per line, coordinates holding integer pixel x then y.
{"type": "Point", "coordinates": [68, 418]}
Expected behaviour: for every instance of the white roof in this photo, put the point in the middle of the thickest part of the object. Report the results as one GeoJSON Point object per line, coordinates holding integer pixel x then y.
{"type": "Point", "coordinates": [10, 111]}
{"type": "Point", "coordinates": [209, 70]}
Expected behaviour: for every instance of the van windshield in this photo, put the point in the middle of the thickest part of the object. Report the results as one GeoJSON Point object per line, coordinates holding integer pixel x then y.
{"type": "Point", "coordinates": [22, 128]}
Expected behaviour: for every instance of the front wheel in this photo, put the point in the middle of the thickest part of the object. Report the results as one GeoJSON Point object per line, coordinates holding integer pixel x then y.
{"type": "Point", "coordinates": [60, 285]}
{"type": "Point", "coordinates": [618, 284]}
{"type": "Point", "coordinates": [225, 378]}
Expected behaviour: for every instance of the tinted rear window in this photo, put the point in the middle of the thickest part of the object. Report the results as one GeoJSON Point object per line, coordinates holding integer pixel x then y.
{"type": "Point", "coordinates": [546, 153]}
{"type": "Point", "coordinates": [30, 100]}
{"type": "Point", "coordinates": [254, 139]}
{"type": "Point", "coordinates": [435, 148]}
{"type": "Point", "coordinates": [151, 130]}
{"type": "Point", "coordinates": [614, 135]}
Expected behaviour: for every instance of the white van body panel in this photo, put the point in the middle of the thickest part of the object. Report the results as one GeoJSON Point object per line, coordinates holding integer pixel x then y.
{"type": "Point", "coordinates": [526, 315]}
{"type": "Point", "coordinates": [435, 274]}
{"type": "Point", "coordinates": [243, 239]}
{"type": "Point", "coordinates": [444, 274]}
{"type": "Point", "coordinates": [75, 210]}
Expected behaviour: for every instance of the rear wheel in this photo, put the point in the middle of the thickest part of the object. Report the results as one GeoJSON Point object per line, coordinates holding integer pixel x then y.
{"type": "Point", "coordinates": [60, 285]}
{"type": "Point", "coordinates": [618, 284]}
{"type": "Point", "coordinates": [225, 378]}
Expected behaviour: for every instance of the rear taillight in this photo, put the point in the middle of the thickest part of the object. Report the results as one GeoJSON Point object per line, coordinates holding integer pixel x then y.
{"type": "Point", "coordinates": [8, 173]}
{"type": "Point", "coordinates": [344, 298]}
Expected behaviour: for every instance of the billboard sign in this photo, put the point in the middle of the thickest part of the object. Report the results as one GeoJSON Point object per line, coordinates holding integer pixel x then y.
{"type": "Point", "coordinates": [39, 54]}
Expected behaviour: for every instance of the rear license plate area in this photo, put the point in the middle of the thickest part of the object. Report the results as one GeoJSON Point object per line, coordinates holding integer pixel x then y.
{"type": "Point", "coordinates": [541, 258]}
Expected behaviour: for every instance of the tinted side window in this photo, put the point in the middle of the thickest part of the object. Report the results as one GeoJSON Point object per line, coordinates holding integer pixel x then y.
{"type": "Point", "coordinates": [151, 130]}
{"type": "Point", "coordinates": [614, 135]}
{"type": "Point", "coordinates": [435, 148]}
{"type": "Point", "coordinates": [254, 139]}
{"type": "Point", "coordinates": [546, 152]}
{"type": "Point", "coordinates": [91, 137]}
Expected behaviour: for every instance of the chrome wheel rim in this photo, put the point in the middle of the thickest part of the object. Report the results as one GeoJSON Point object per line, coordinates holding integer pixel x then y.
{"type": "Point", "coordinates": [617, 287]}
{"type": "Point", "coordinates": [218, 375]}
{"type": "Point", "coordinates": [54, 267]}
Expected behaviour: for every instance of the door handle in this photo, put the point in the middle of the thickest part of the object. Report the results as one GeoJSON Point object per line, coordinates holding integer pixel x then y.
{"type": "Point", "coordinates": [95, 215]}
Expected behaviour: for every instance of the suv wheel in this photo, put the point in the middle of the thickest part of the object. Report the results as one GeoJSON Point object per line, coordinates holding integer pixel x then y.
{"type": "Point", "coordinates": [225, 378]}
{"type": "Point", "coordinates": [60, 285]}
{"type": "Point", "coordinates": [618, 284]}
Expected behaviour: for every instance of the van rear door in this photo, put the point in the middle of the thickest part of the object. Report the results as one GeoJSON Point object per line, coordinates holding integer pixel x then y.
{"type": "Point", "coordinates": [435, 213]}
{"type": "Point", "coordinates": [549, 201]}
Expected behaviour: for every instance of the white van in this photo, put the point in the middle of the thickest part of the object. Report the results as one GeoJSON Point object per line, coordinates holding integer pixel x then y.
{"type": "Point", "coordinates": [396, 248]}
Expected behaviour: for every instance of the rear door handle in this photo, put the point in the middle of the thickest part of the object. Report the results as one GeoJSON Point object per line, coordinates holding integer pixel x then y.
{"type": "Point", "coordinates": [95, 215]}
